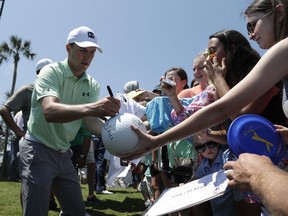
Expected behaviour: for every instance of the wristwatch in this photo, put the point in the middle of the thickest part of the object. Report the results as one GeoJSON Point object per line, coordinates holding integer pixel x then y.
{"type": "Point", "coordinates": [83, 156]}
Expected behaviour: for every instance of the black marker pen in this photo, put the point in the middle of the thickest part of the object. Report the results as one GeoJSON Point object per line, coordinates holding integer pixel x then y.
{"type": "Point", "coordinates": [110, 91]}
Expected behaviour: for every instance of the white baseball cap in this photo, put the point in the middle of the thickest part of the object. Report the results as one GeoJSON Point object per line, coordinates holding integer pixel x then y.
{"type": "Point", "coordinates": [83, 37]}
{"type": "Point", "coordinates": [131, 86]}
{"type": "Point", "coordinates": [40, 64]}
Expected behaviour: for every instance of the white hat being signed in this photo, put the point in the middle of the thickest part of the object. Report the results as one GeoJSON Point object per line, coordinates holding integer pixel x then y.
{"type": "Point", "coordinates": [83, 37]}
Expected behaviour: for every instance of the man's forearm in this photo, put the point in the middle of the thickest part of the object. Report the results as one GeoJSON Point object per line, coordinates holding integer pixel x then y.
{"type": "Point", "coordinates": [271, 187]}
{"type": "Point", "coordinates": [8, 119]}
{"type": "Point", "coordinates": [62, 113]}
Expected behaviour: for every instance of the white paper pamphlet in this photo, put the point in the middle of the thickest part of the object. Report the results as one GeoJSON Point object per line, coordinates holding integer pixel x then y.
{"type": "Point", "coordinates": [190, 194]}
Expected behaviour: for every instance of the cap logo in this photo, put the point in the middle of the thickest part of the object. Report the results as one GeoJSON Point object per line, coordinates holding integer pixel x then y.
{"type": "Point", "coordinates": [91, 35]}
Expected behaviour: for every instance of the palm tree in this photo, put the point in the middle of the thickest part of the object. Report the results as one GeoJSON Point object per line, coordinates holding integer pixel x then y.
{"type": "Point", "coordinates": [15, 48]}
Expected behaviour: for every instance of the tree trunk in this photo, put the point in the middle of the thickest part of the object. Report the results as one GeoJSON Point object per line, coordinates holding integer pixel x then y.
{"type": "Point", "coordinates": [16, 60]}
{"type": "Point", "coordinates": [5, 156]}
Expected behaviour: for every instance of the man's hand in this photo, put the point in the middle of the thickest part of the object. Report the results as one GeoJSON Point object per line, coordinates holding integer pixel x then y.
{"type": "Point", "coordinates": [81, 161]}
{"type": "Point", "coordinates": [108, 106]}
{"type": "Point", "coordinates": [145, 145]}
{"type": "Point", "coordinates": [246, 169]}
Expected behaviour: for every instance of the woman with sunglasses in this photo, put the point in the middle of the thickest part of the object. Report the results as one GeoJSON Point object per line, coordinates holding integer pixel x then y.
{"type": "Point", "coordinates": [233, 50]}
{"type": "Point", "coordinates": [270, 69]}
{"type": "Point", "coordinates": [267, 22]}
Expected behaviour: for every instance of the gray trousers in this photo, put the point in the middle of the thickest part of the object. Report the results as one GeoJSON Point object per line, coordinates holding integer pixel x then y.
{"type": "Point", "coordinates": [43, 169]}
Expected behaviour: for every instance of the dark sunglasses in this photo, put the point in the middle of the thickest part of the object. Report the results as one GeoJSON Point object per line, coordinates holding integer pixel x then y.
{"type": "Point", "coordinates": [251, 25]}
{"type": "Point", "coordinates": [202, 148]}
{"type": "Point", "coordinates": [211, 52]}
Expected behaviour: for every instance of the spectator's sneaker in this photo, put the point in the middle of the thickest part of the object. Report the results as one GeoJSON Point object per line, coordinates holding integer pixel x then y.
{"type": "Point", "coordinates": [106, 192]}
{"type": "Point", "coordinates": [93, 200]}
{"type": "Point", "coordinates": [52, 204]}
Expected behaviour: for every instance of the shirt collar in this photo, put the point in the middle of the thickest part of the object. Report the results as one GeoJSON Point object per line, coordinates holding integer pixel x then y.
{"type": "Point", "coordinates": [69, 73]}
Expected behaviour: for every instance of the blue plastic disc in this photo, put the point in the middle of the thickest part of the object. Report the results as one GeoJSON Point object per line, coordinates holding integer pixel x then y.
{"type": "Point", "coordinates": [252, 133]}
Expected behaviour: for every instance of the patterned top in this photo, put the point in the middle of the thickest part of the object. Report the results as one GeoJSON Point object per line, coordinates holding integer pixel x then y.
{"type": "Point", "coordinates": [204, 98]}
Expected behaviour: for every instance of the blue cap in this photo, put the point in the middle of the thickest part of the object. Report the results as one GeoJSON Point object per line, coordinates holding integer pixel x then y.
{"type": "Point", "coordinates": [252, 133]}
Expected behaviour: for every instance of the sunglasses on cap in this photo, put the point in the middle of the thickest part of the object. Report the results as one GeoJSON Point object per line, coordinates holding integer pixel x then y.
{"type": "Point", "coordinates": [252, 24]}
{"type": "Point", "coordinates": [202, 148]}
{"type": "Point", "coordinates": [211, 52]}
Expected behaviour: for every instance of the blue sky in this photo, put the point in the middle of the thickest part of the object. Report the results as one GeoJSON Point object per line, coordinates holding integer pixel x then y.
{"type": "Point", "coordinates": [141, 39]}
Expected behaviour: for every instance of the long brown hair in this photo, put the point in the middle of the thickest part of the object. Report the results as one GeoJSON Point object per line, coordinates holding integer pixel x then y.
{"type": "Point", "coordinates": [240, 56]}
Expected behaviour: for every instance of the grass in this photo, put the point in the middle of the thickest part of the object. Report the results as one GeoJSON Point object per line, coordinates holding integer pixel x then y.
{"type": "Point", "coordinates": [124, 201]}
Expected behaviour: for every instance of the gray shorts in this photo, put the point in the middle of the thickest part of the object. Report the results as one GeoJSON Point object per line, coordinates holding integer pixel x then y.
{"type": "Point", "coordinates": [43, 169]}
